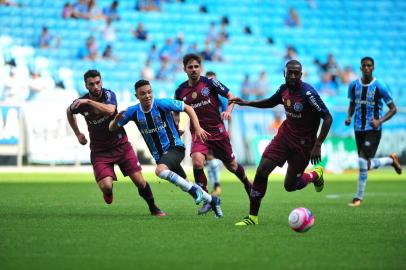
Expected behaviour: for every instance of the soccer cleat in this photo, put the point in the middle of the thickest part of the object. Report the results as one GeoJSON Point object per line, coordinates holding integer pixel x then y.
{"type": "Point", "coordinates": [319, 183]}
{"type": "Point", "coordinates": [199, 195]}
{"type": "Point", "coordinates": [157, 212]}
{"type": "Point", "coordinates": [108, 199]}
{"type": "Point", "coordinates": [355, 202]}
{"type": "Point", "coordinates": [215, 206]}
{"type": "Point", "coordinates": [204, 209]}
{"type": "Point", "coordinates": [249, 220]}
{"type": "Point", "coordinates": [396, 163]}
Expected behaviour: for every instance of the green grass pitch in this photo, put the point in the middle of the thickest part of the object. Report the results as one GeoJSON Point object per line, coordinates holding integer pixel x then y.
{"type": "Point", "coordinates": [60, 221]}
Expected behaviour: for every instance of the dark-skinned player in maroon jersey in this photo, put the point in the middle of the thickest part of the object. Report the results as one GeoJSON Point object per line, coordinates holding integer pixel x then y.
{"type": "Point", "coordinates": [296, 141]}
{"type": "Point", "coordinates": [201, 94]}
{"type": "Point", "coordinates": [99, 106]}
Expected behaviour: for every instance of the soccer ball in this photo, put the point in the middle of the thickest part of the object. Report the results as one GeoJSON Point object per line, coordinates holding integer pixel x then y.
{"type": "Point", "coordinates": [301, 219]}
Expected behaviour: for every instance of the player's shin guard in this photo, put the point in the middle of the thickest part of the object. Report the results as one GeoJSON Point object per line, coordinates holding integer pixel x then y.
{"type": "Point", "coordinates": [362, 178]}
{"type": "Point", "coordinates": [176, 180]}
{"type": "Point", "coordinates": [200, 178]}
{"type": "Point", "coordinates": [213, 171]}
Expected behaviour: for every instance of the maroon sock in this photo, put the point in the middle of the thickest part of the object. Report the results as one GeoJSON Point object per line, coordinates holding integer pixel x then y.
{"type": "Point", "coordinates": [146, 194]}
{"type": "Point", "coordinates": [240, 173]}
{"type": "Point", "coordinates": [200, 178]}
{"type": "Point", "coordinates": [258, 191]}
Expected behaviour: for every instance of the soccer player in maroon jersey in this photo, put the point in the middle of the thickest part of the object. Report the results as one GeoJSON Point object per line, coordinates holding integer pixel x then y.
{"type": "Point", "coordinates": [99, 106]}
{"type": "Point", "coordinates": [201, 94]}
{"type": "Point", "coordinates": [296, 141]}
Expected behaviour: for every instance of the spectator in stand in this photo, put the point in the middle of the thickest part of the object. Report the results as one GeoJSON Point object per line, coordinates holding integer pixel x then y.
{"type": "Point", "coordinates": [16, 87]}
{"type": "Point", "coordinates": [223, 35]}
{"type": "Point", "coordinates": [9, 3]}
{"type": "Point", "coordinates": [46, 40]}
{"type": "Point", "coordinates": [167, 50]}
{"type": "Point", "coordinates": [330, 66]}
{"type": "Point", "coordinates": [67, 11]}
{"type": "Point", "coordinates": [108, 32]}
{"type": "Point", "coordinates": [90, 50]}
{"type": "Point", "coordinates": [217, 52]}
{"type": "Point", "coordinates": [165, 72]}
{"type": "Point", "coordinates": [276, 123]}
{"type": "Point", "coordinates": [147, 73]}
{"type": "Point", "coordinates": [292, 18]}
{"type": "Point", "coordinates": [348, 75]}
{"type": "Point", "coordinates": [93, 12]}
{"type": "Point", "coordinates": [261, 86]}
{"type": "Point", "coordinates": [247, 30]}
{"type": "Point", "coordinates": [212, 34]}
{"type": "Point", "coordinates": [291, 54]}
{"type": "Point", "coordinates": [148, 5]}
{"type": "Point", "coordinates": [38, 84]}
{"type": "Point", "coordinates": [80, 9]}
{"type": "Point", "coordinates": [112, 11]}
{"type": "Point", "coordinates": [140, 33]}
{"type": "Point", "coordinates": [153, 54]}
{"type": "Point", "coordinates": [193, 48]}
{"type": "Point", "coordinates": [108, 54]}
{"type": "Point", "coordinates": [326, 87]}
{"type": "Point", "coordinates": [247, 91]}
{"type": "Point", "coordinates": [207, 54]}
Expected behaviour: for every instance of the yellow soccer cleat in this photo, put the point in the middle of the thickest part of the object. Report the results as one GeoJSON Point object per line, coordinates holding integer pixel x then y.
{"type": "Point", "coordinates": [319, 183]}
{"type": "Point", "coordinates": [250, 220]}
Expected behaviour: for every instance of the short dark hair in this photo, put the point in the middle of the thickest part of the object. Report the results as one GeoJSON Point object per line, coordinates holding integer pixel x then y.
{"type": "Point", "coordinates": [210, 73]}
{"type": "Point", "coordinates": [293, 63]}
{"type": "Point", "coordinates": [140, 83]}
{"type": "Point", "coordinates": [368, 58]}
{"type": "Point", "coordinates": [191, 56]}
{"type": "Point", "coordinates": [92, 73]}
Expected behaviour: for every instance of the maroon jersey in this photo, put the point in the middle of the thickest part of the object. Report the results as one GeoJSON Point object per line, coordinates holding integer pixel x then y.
{"type": "Point", "coordinates": [303, 110]}
{"type": "Point", "coordinates": [203, 98]}
{"type": "Point", "coordinates": [101, 138]}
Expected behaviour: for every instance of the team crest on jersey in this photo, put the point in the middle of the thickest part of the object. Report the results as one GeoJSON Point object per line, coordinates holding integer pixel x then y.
{"type": "Point", "coordinates": [205, 92]}
{"type": "Point", "coordinates": [298, 106]}
{"type": "Point", "coordinates": [157, 120]}
{"type": "Point", "coordinates": [288, 103]}
{"type": "Point", "coordinates": [194, 95]}
{"type": "Point", "coordinates": [85, 113]}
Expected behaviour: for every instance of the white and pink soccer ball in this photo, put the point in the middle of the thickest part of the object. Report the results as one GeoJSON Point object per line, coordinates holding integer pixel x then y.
{"type": "Point", "coordinates": [301, 219]}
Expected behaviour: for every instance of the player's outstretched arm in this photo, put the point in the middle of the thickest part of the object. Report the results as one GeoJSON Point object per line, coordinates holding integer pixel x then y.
{"type": "Point", "coordinates": [102, 108]}
{"type": "Point", "coordinates": [113, 126]}
{"type": "Point", "coordinates": [199, 132]}
{"type": "Point", "coordinates": [376, 123]}
{"type": "Point", "coordinates": [315, 156]}
{"type": "Point", "coordinates": [350, 113]}
{"type": "Point", "coordinates": [74, 125]}
{"type": "Point", "coordinates": [264, 103]}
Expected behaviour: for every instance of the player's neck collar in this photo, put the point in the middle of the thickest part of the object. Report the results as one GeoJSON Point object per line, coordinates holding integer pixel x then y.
{"type": "Point", "coordinates": [367, 84]}
{"type": "Point", "coordinates": [192, 83]}
{"type": "Point", "coordinates": [150, 108]}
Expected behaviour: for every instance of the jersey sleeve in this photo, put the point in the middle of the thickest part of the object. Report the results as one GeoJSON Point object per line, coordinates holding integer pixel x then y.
{"type": "Point", "coordinates": [110, 97]}
{"type": "Point", "coordinates": [168, 105]}
{"type": "Point", "coordinates": [218, 87]}
{"type": "Point", "coordinates": [223, 103]}
{"type": "Point", "coordinates": [384, 91]}
{"type": "Point", "coordinates": [316, 102]}
{"type": "Point", "coordinates": [128, 115]}
{"type": "Point", "coordinates": [351, 91]}
{"type": "Point", "coordinates": [275, 99]}
{"type": "Point", "coordinates": [74, 111]}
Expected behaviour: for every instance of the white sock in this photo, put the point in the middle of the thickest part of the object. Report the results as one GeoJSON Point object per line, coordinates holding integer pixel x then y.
{"type": "Point", "coordinates": [213, 171]}
{"type": "Point", "coordinates": [378, 162]}
{"type": "Point", "coordinates": [176, 179]}
{"type": "Point", "coordinates": [362, 178]}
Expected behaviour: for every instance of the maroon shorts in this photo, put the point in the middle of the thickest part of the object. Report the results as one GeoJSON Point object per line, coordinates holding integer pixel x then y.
{"type": "Point", "coordinates": [221, 148]}
{"type": "Point", "coordinates": [280, 151]}
{"type": "Point", "coordinates": [122, 155]}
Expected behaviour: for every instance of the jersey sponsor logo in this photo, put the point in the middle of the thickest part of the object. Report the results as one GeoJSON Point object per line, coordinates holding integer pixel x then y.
{"type": "Point", "coordinates": [200, 104]}
{"type": "Point", "coordinates": [366, 102]}
{"type": "Point", "coordinates": [217, 84]}
{"type": "Point", "coordinates": [308, 93]}
{"type": "Point", "coordinates": [288, 103]}
{"type": "Point", "coordinates": [99, 121]}
{"type": "Point", "coordinates": [314, 102]}
{"type": "Point", "coordinates": [205, 92]}
{"type": "Point", "coordinates": [86, 113]}
{"type": "Point", "coordinates": [294, 115]}
{"type": "Point", "coordinates": [146, 131]}
{"type": "Point", "coordinates": [194, 95]}
{"type": "Point", "coordinates": [298, 106]}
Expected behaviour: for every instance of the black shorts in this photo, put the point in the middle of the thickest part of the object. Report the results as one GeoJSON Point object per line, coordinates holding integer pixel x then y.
{"type": "Point", "coordinates": [172, 159]}
{"type": "Point", "coordinates": [368, 142]}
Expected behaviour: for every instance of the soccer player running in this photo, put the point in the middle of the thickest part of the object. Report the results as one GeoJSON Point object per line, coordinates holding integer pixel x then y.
{"type": "Point", "coordinates": [366, 96]}
{"type": "Point", "coordinates": [99, 106]}
{"type": "Point", "coordinates": [296, 141]}
{"type": "Point", "coordinates": [201, 94]}
{"type": "Point", "coordinates": [154, 120]}
{"type": "Point", "coordinates": [213, 164]}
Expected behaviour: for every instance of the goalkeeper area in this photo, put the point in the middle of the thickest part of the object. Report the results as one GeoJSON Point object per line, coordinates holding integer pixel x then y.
{"type": "Point", "coordinates": [60, 221]}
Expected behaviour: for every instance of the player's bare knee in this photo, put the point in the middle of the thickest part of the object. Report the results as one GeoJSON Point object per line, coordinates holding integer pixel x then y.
{"type": "Point", "coordinates": [160, 168]}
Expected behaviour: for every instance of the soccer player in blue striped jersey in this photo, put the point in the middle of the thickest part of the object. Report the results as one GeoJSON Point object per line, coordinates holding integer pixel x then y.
{"type": "Point", "coordinates": [155, 122]}
{"type": "Point", "coordinates": [366, 95]}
